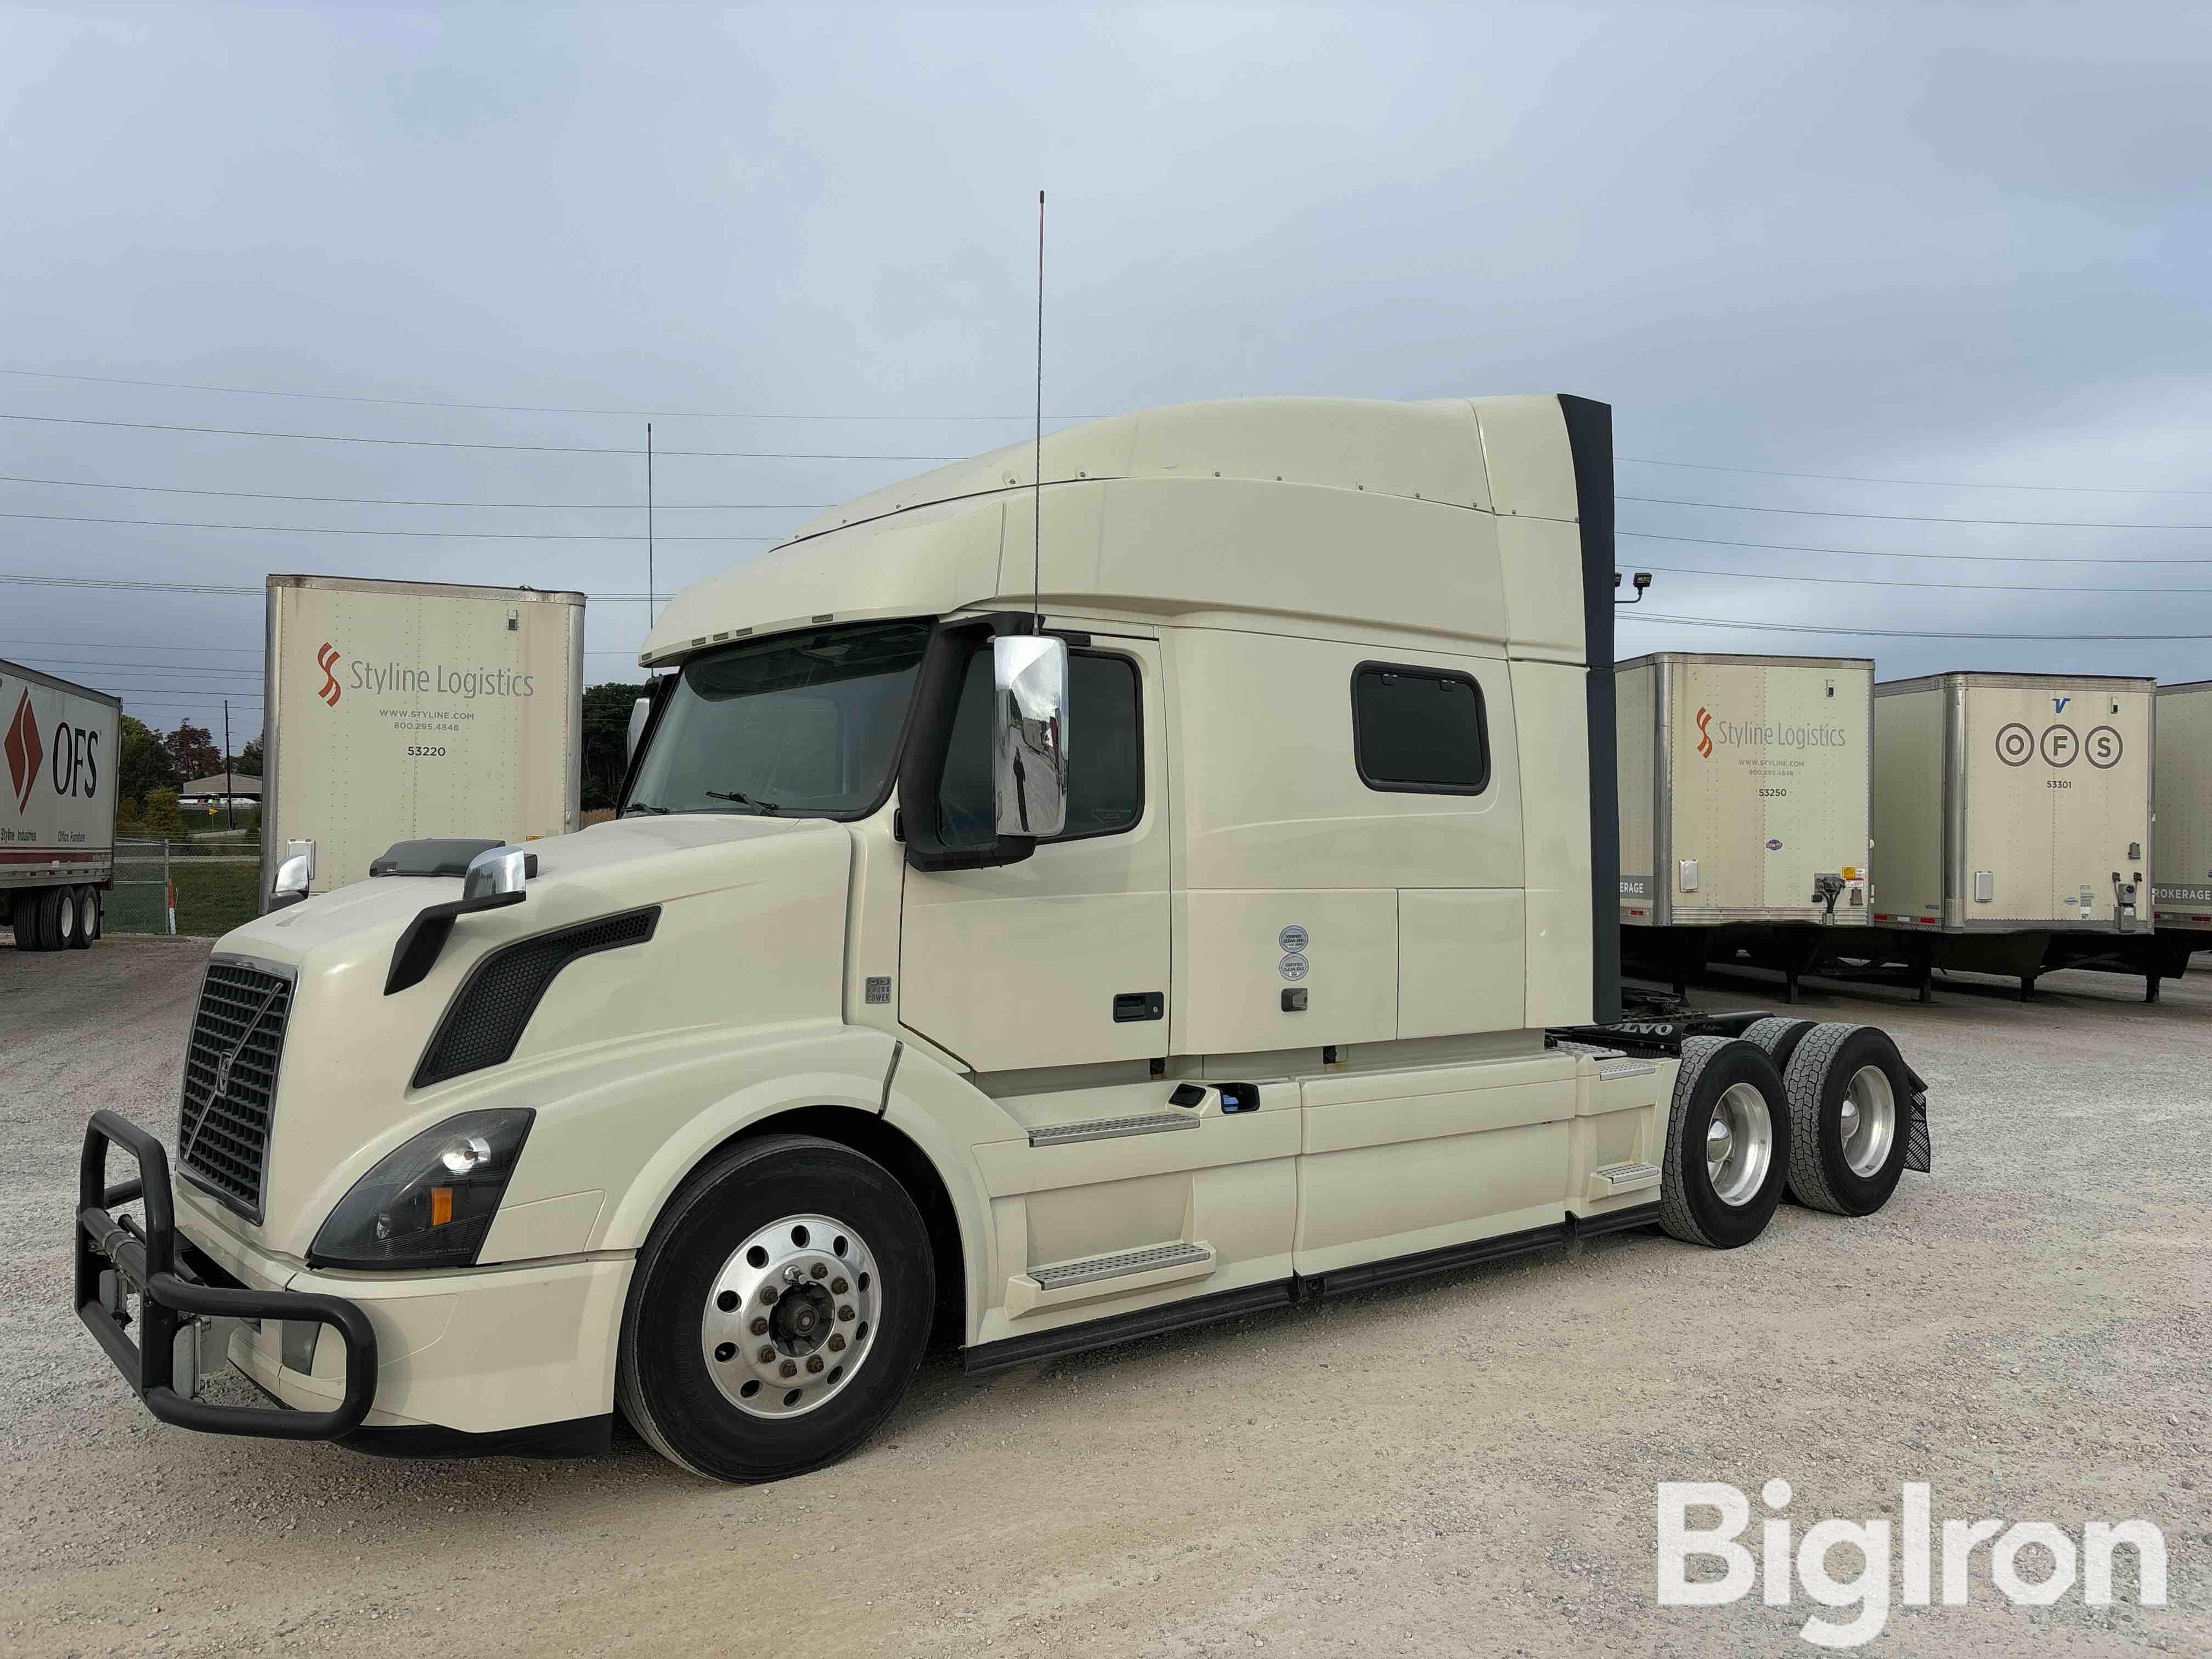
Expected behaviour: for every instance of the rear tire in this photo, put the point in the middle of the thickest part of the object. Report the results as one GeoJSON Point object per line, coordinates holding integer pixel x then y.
{"type": "Point", "coordinates": [80, 920]}
{"type": "Point", "coordinates": [725, 1295]}
{"type": "Point", "coordinates": [96, 913]}
{"type": "Point", "coordinates": [1727, 1144]}
{"type": "Point", "coordinates": [1779, 1035]}
{"type": "Point", "coordinates": [46, 920]}
{"type": "Point", "coordinates": [1850, 1109]}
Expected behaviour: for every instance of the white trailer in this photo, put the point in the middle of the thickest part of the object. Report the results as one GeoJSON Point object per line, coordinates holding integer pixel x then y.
{"type": "Point", "coordinates": [2181, 847]}
{"type": "Point", "coordinates": [2013, 820]}
{"type": "Point", "coordinates": [1746, 815]}
{"type": "Point", "coordinates": [57, 812]}
{"type": "Point", "coordinates": [398, 711]}
{"type": "Point", "coordinates": [1034, 941]}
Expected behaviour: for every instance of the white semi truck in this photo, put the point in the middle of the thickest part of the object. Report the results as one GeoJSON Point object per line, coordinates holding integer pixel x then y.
{"type": "Point", "coordinates": [1028, 945]}
{"type": "Point", "coordinates": [56, 808]}
{"type": "Point", "coordinates": [404, 710]}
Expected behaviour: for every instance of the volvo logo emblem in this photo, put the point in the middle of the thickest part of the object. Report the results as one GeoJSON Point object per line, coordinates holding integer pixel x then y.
{"type": "Point", "coordinates": [223, 1072]}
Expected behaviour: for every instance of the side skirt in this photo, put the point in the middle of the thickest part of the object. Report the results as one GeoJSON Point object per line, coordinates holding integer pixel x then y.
{"type": "Point", "coordinates": [1009, 1351]}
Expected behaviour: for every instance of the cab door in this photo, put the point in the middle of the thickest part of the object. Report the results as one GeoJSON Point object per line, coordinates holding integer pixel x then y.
{"type": "Point", "coordinates": [1060, 959]}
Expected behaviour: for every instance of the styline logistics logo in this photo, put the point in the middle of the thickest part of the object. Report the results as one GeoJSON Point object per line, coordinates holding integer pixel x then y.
{"type": "Point", "coordinates": [1714, 731]}
{"type": "Point", "coordinates": [387, 679]}
{"type": "Point", "coordinates": [25, 750]}
{"type": "Point", "coordinates": [1933, 1561]}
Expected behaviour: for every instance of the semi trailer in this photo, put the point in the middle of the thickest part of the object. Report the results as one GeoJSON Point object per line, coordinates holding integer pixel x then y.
{"type": "Point", "coordinates": [2181, 850]}
{"type": "Point", "coordinates": [2013, 818]}
{"type": "Point", "coordinates": [58, 821]}
{"type": "Point", "coordinates": [1746, 789]}
{"type": "Point", "coordinates": [1023, 941]}
{"type": "Point", "coordinates": [404, 710]}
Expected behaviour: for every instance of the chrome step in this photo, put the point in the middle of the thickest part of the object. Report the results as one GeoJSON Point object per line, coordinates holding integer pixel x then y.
{"type": "Point", "coordinates": [1111, 1128]}
{"type": "Point", "coordinates": [1121, 1265]}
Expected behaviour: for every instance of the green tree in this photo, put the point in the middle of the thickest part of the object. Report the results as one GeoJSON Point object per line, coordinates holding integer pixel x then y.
{"type": "Point", "coordinates": [161, 815]}
{"type": "Point", "coordinates": [192, 748]}
{"type": "Point", "coordinates": [248, 762]}
{"type": "Point", "coordinates": [606, 732]}
{"type": "Point", "coordinates": [145, 763]}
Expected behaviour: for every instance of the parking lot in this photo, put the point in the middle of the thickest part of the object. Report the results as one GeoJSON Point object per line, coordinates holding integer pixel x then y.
{"type": "Point", "coordinates": [1465, 1465]}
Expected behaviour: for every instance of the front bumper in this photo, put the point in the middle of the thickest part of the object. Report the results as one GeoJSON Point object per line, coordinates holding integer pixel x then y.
{"type": "Point", "coordinates": [517, 1358]}
{"type": "Point", "coordinates": [118, 1258]}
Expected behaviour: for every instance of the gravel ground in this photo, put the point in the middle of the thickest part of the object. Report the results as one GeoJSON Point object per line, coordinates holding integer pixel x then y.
{"type": "Point", "coordinates": [1462, 1466]}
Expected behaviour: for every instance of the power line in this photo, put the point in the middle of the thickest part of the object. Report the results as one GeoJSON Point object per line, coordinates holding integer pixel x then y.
{"type": "Point", "coordinates": [342, 530]}
{"type": "Point", "coordinates": [240, 674]}
{"type": "Point", "coordinates": [451, 443]}
{"type": "Point", "coordinates": [1877, 553]}
{"type": "Point", "coordinates": [1883, 581]}
{"type": "Point", "coordinates": [1912, 517]}
{"type": "Point", "coordinates": [387, 501]}
{"type": "Point", "coordinates": [135, 585]}
{"type": "Point", "coordinates": [1630, 613]}
{"type": "Point", "coordinates": [526, 408]}
{"type": "Point", "coordinates": [232, 650]}
{"type": "Point", "coordinates": [1936, 483]}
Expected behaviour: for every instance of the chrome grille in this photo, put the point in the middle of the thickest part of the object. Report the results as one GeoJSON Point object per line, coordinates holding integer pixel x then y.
{"type": "Point", "coordinates": [230, 1081]}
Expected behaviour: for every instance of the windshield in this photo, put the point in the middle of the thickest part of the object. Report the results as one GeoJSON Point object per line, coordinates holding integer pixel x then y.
{"type": "Point", "coordinates": [804, 723]}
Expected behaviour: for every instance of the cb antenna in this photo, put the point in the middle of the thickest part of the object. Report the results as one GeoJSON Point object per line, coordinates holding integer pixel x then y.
{"type": "Point", "coordinates": [1037, 462]}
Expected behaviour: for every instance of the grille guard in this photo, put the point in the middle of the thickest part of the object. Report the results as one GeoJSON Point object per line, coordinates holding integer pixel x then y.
{"type": "Point", "coordinates": [171, 1296]}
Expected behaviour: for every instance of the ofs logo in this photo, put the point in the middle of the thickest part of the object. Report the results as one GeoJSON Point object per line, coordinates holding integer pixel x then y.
{"type": "Point", "coordinates": [2059, 746]}
{"type": "Point", "coordinates": [1713, 731]}
{"type": "Point", "coordinates": [75, 770]}
{"type": "Point", "coordinates": [327, 660]}
{"type": "Point", "coordinates": [25, 752]}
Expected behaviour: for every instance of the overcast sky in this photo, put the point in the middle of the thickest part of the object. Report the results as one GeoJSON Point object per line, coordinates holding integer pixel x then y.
{"type": "Point", "coordinates": [1959, 245]}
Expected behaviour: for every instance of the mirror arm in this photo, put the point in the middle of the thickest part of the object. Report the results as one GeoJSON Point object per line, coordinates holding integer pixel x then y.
{"type": "Point", "coordinates": [929, 737]}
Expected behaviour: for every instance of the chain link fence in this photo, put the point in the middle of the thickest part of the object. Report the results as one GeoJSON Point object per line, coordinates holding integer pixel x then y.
{"type": "Point", "coordinates": [200, 889]}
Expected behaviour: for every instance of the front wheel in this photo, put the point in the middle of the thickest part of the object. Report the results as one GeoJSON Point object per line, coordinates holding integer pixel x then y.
{"type": "Point", "coordinates": [778, 1311]}
{"type": "Point", "coordinates": [1727, 1144]}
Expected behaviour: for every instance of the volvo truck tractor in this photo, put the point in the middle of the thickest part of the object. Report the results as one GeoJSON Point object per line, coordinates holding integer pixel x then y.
{"type": "Point", "coordinates": [1018, 942]}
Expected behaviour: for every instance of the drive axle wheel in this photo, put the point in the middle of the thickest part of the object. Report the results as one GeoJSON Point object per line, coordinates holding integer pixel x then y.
{"type": "Point", "coordinates": [1727, 1144]}
{"type": "Point", "coordinates": [1779, 1035]}
{"type": "Point", "coordinates": [87, 927]}
{"type": "Point", "coordinates": [1851, 1104]}
{"type": "Point", "coordinates": [777, 1312]}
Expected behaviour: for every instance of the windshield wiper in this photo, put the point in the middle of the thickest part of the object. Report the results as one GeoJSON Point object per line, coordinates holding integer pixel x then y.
{"type": "Point", "coordinates": [645, 806]}
{"type": "Point", "coordinates": [743, 799]}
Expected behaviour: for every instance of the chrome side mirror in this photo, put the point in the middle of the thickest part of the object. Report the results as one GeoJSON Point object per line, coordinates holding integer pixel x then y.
{"type": "Point", "coordinates": [640, 712]}
{"type": "Point", "coordinates": [1029, 770]}
{"type": "Point", "coordinates": [295, 874]}
{"type": "Point", "coordinates": [499, 870]}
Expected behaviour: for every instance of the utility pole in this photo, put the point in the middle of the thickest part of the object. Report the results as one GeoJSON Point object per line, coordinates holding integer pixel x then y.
{"type": "Point", "coordinates": [648, 527]}
{"type": "Point", "coordinates": [229, 792]}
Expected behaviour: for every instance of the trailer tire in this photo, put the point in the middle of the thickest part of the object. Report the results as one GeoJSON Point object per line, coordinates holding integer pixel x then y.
{"type": "Point", "coordinates": [704, 1274]}
{"type": "Point", "coordinates": [96, 910]}
{"type": "Point", "coordinates": [1779, 1035]}
{"type": "Point", "coordinates": [83, 909]}
{"type": "Point", "coordinates": [45, 920]}
{"type": "Point", "coordinates": [1850, 1109]}
{"type": "Point", "coordinates": [1727, 1095]}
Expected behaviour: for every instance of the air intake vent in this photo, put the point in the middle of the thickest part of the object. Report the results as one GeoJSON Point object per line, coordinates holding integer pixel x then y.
{"type": "Point", "coordinates": [495, 1003]}
{"type": "Point", "coordinates": [230, 1082]}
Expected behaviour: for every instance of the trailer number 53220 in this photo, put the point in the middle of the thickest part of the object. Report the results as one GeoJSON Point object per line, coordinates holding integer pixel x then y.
{"type": "Point", "coordinates": [419, 751]}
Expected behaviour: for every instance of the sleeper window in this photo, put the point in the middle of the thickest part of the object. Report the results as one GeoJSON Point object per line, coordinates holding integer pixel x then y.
{"type": "Point", "coordinates": [1418, 730]}
{"type": "Point", "coordinates": [1105, 743]}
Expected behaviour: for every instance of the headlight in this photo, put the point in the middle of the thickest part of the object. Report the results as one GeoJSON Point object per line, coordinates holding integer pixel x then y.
{"type": "Point", "coordinates": [431, 1203]}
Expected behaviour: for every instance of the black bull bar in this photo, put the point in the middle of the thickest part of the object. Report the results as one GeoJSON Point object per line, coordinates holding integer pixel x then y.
{"type": "Point", "coordinates": [173, 1294]}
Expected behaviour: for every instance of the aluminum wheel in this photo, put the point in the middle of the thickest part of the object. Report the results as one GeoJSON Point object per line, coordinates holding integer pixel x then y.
{"type": "Point", "coordinates": [787, 1321]}
{"type": "Point", "coordinates": [1869, 1120]}
{"type": "Point", "coordinates": [65, 916]}
{"type": "Point", "coordinates": [1739, 1144]}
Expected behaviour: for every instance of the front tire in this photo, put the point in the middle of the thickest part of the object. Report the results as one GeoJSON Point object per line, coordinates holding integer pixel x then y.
{"type": "Point", "coordinates": [778, 1311]}
{"type": "Point", "coordinates": [1850, 1106]}
{"type": "Point", "coordinates": [1727, 1144]}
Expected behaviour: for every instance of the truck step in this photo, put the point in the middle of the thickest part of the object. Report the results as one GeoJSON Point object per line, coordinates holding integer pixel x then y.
{"type": "Point", "coordinates": [1121, 1265]}
{"type": "Point", "coordinates": [1110, 1128]}
{"type": "Point", "coordinates": [1615, 1179]}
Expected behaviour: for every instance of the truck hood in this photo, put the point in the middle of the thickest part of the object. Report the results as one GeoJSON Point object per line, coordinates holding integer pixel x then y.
{"type": "Point", "coordinates": [747, 924]}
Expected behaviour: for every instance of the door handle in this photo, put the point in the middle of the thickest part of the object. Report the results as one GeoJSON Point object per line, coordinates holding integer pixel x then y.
{"type": "Point", "coordinates": [1130, 1005]}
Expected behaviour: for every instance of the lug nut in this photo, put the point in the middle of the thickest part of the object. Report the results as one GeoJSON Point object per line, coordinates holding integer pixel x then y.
{"type": "Point", "coordinates": [837, 1287]}
{"type": "Point", "coordinates": [767, 1354]}
{"type": "Point", "coordinates": [819, 1271]}
{"type": "Point", "coordinates": [836, 1344]}
{"type": "Point", "coordinates": [814, 1362]}
{"type": "Point", "coordinates": [768, 1296]}
{"type": "Point", "coordinates": [791, 1274]}
{"type": "Point", "coordinates": [787, 1368]}
{"type": "Point", "coordinates": [845, 1312]}
{"type": "Point", "coordinates": [760, 1326]}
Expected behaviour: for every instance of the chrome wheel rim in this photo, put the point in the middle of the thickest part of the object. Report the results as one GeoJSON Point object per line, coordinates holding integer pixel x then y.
{"type": "Point", "coordinates": [65, 913]}
{"type": "Point", "coordinates": [792, 1317]}
{"type": "Point", "coordinates": [1868, 1128]}
{"type": "Point", "coordinates": [1739, 1144]}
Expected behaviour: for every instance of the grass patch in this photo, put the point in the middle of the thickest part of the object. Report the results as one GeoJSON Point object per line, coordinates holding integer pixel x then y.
{"type": "Point", "coordinates": [212, 898]}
